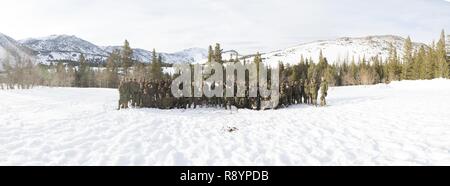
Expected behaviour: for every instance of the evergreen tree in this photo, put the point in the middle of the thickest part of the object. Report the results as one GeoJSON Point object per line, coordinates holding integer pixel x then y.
{"type": "Point", "coordinates": [61, 74]}
{"type": "Point", "coordinates": [421, 64]}
{"type": "Point", "coordinates": [112, 64]}
{"type": "Point", "coordinates": [353, 71]}
{"type": "Point", "coordinates": [295, 75]}
{"type": "Point", "coordinates": [218, 53]}
{"type": "Point", "coordinates": [322, 66]}
{"type": "Point", "coordinates": [303, 69]}
{"type": "Point", "coordinates": [83, 72]}
{"type": "Point", "coordinates": [312, 72]}
{"type": "Point", "coordinates": [92, 81]}
{"type": "Point", "coordinates": [154, 56]}
{"type": "Point", "coordinates": [430, 65]}
{"type": "Point", "coordinates": [393, 67]}
{"type": "Point", "coordinates": [408, 71]}
{"type": "Point", "coordinates": [156, 71]}
{"type": "Point", "coordinates": [378, 69]}
{"type": "Point", "coordinates": [441, 54]}
{"type": "Point", "coordinates": [331, 75]}
{"type": "Point", "coordinates": [127, 57]}
{"type": "Point", "coordinates": [71, 75]}
{"type": "Point", "coordinates": [44, 75]}
{"type": "Point", "coordinates": [282, 71]}
{"type": "Point", "coordinates": [366, 73]}
{"type": "Point", "coordinates": [257, 60]}
{"type": "Point", "coordinates": [210, 54]}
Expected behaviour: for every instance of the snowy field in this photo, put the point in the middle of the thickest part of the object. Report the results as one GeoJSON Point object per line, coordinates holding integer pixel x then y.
{"type": "Point", "coordinates": [404, 123]}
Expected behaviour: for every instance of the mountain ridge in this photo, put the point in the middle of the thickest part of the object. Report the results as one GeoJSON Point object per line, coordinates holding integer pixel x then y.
{"type": "Point", "coordinates": [340, 50]}
{"type": "Point", "coordinates": [69, 48]}
{"type": "Point", "coordinates": [13, 51]}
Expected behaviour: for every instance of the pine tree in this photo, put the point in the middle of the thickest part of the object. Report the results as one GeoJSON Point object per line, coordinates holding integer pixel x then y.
{"type": "Point", "coordinates": [156, 71]}
{"type": "Point", "coordinates": [257, 60]}
{"type": "Point", "coordinates": [92, 82]}
{"type": "Point", "coordinates": [303, 68]}
{"type": "Point", "coordinates": [71, 75]}
{"type": "Point", "coordinates": [331, 75]}
{"type": "Point", "coordinates": [312, 72]}
{"type": "Point", "coordinates": [112, 64]}
{"type": "Point", "coordinates": [127, 57]}
{"type": "Point", "coordinates": [295, 75]}
{"type": "Point", "coordinates": [355, 78]}
{"type": "Point", "coordinates": [386, 69]}
{"type": "Point", "coordinates": [441, 54]}
{"type": "Point", "coordinates": [83, 72]}
{"type": "Point", "coordinates": [210, 54]}
{"type": "Point", "coordinates": [154, 57]}
{"type": "Point", "coordinates": [393, 67]}
{"type": "Point", "coordinates": [218, 53]}
{"type": "Point", "coordinates": [378, 69]}
{"type": "Point", "coordinates": [341, 72]}
{"type": "Point", "coordinates": [322, 66]}
{"type": "Point", "coordinates": [430, 63]}
{"type": "Point", "coordinates": [61, 74]}
{"type": "Point", "coordinates": [44, 75]}
{"type": "Point", "coordinates": [366, 73]}
{"type": "Point", "coordinates": [282, 71]}
{"type": "Point", "coordinates": [349, 73]}
{"type": "Point", "coordinates": [408, 71]}
{"type": "Point", "coordinates": [421, 64]}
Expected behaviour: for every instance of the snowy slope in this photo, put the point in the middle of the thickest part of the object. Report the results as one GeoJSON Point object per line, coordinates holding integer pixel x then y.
{"type": "Point", "coordinates": [190, 55]}
{"type": "Point", "coordinates": [64, 47]}
{"type": "Point", "coordinates": [340, 49]}
{"type": "Point", "coordinates": [404, 123]}
{"type": "Point", "coordinates": [12, 50]}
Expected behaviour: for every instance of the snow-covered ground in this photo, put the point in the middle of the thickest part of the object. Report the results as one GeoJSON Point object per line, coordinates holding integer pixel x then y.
{"type": "Point", "coordinates": [404, 123]}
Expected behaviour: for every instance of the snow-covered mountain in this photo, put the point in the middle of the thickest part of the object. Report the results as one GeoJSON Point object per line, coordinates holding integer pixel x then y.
{"type": "Point", "coordinates": [69, 48]}
{"type": "Point", "coordinates": [64, 47]}
{"type": "Point", "coordinates": [339, 50]}
{"type": "Point", "coordinates": [12, 50]}
{"type": "Point", "coordinates": [190, 55]}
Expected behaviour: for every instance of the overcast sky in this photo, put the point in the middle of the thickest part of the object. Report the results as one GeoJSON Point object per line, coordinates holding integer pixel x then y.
{"type": "Point", "coordinates": [246, 25]}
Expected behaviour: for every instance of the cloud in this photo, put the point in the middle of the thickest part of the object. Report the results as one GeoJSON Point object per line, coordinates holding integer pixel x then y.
{"type": "Point", "coordinates": [171, 25]}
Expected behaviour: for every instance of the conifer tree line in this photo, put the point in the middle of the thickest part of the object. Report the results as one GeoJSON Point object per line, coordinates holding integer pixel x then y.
{"type": "Point", "coordinates": [427, 62]}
